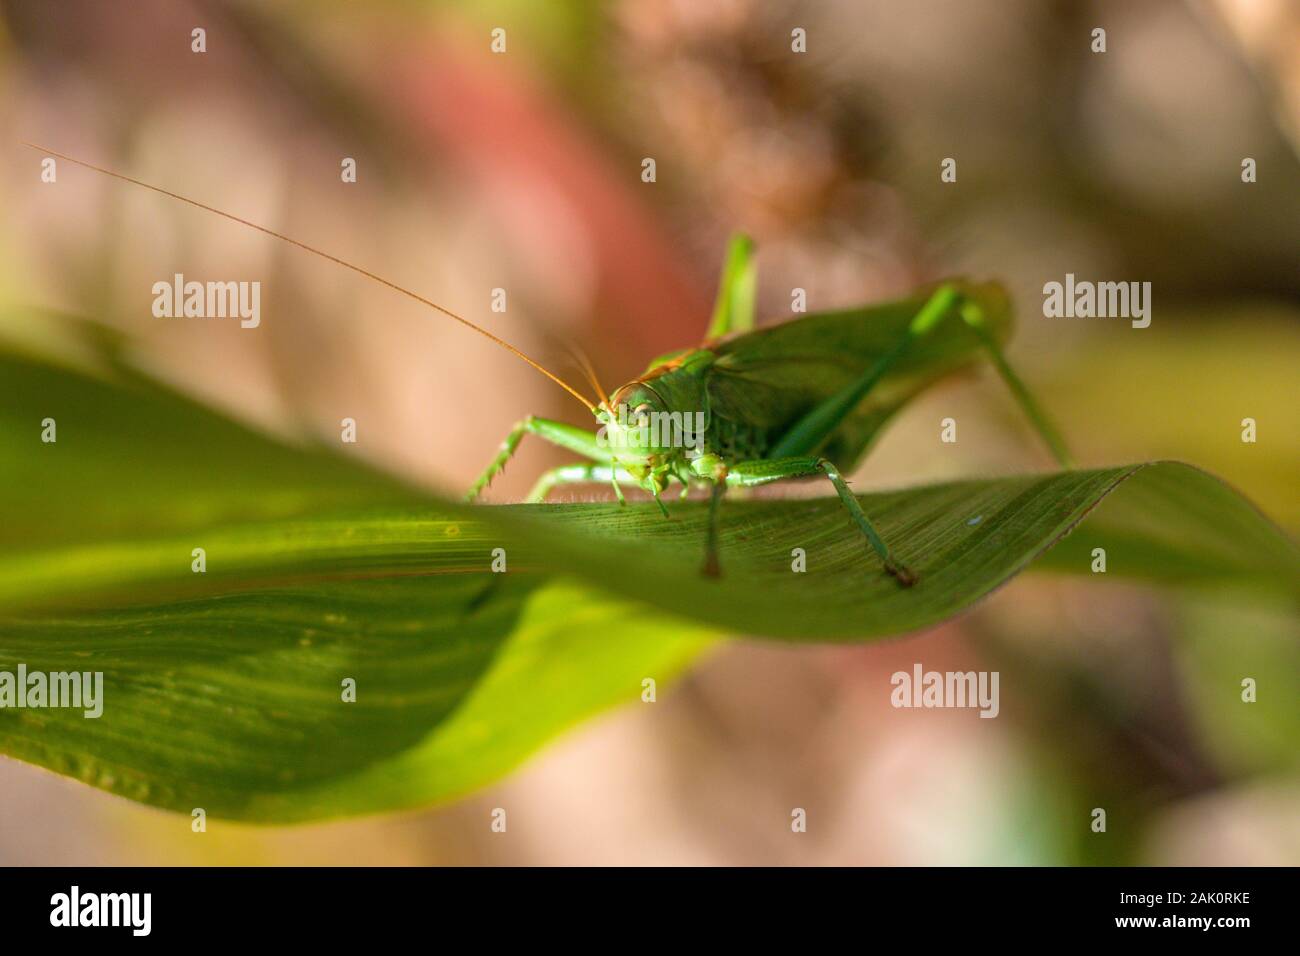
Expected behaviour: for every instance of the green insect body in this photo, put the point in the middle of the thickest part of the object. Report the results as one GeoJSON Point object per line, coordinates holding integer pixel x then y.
{"type": "Point", "coordinates": [790, 401]}
{"type": "Point", "coordinates": [772, 404]}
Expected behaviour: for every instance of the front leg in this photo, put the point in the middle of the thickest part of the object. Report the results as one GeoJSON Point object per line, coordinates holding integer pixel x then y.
{"type": "Point", "coordinates": [557, 433]}
{"type": "Point", "coordinates": [577, 474]}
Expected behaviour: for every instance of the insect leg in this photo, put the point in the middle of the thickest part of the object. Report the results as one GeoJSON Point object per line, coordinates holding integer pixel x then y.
{"type": "Point", "coordinates": [660, 502]}
{"type": "Point", "coordinates": [711, 567]}
{"type": "Point", "coordinates": [734, 309]}
{"type": "Point", "coordinates": [765, 471]}
{"type": "Point", "coordinates": [974, 317]}
{"type": "Point", "coordinates": [557, 433]}
{"type": "Point", "coordinates": [810, 432]}
{"type": "Point", "coordinates": [575, 474]}
{"type": "Point", "coordinates": [613, 480]}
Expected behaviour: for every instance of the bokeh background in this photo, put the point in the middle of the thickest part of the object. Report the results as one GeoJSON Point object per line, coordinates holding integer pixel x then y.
{"type": "Point", "coordinates": [522, 171]}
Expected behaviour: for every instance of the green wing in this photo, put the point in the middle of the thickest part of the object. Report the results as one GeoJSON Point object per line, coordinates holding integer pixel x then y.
{"type": "Point", "coordinates": [769, 378]}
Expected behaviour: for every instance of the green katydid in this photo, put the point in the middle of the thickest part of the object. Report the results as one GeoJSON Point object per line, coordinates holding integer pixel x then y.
{"type": "Point", "coordinates": [793, 400]}
{"type": "Point", "coordinates": [787, 401]}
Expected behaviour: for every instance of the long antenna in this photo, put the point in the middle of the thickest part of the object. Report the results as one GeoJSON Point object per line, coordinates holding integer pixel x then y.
{"type": "Point", "coordinates": [587, 403]}
{"type": "Point", "coordinates": [589, 371]}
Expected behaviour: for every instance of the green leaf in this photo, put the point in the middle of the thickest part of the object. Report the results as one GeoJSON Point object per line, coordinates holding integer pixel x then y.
{"type": "Point", "coordinates": [223, 689]}
{"type": "Point", "coordinates": [1165, 522]}
{"type": "Point", "coordinates": [234, 703]}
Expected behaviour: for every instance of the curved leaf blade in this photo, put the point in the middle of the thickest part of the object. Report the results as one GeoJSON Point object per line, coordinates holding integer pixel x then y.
{"type": "Point", "coordinates": [223, 689]}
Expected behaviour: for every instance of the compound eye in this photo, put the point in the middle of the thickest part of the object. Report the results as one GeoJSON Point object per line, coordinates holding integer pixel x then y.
{"type": "Point", "coordinates": [641, 414]}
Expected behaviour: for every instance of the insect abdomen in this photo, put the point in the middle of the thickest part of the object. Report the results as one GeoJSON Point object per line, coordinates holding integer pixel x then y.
{"type": "Point", "coordinates": [735, 441]}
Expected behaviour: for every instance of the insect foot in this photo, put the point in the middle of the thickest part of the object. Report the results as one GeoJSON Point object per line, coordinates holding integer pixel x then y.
{"type": "Point", "coordinates": [903, 576]}
{"type": "Point", "coordinates": [711, 568]}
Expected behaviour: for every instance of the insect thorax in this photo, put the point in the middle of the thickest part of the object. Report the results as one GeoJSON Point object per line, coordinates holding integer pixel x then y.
{"type": "Point", "coordinates": [682, 385]}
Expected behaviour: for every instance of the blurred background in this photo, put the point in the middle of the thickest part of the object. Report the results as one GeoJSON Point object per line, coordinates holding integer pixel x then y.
{"type": "Point", "coordinates": [522, 171]}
